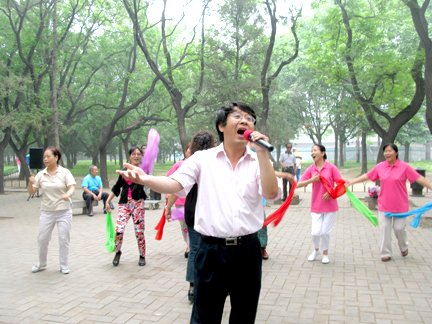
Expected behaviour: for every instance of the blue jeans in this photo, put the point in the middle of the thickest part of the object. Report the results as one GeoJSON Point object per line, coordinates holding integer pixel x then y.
{"type": "Point", "coordinates": [263, 238]}
{"type": "Point", "coordinates": [194, 241]}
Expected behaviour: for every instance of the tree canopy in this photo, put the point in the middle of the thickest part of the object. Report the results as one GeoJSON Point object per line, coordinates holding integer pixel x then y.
{"type": "Point", "coordinates": [101, 73]}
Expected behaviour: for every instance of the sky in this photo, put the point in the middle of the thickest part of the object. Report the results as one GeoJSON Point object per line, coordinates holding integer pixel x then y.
{"type": "Point", "coordinates": [192, 9]}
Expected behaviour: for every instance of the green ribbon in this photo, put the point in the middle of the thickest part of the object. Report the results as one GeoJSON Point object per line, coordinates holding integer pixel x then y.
{"type": "Point", "coordinates": [362, 208]}
{"type": "Point", "coordinates": [110, 234]}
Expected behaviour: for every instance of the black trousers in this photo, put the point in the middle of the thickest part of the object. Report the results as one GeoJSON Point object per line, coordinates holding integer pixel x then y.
{"type": "Point", "coordinates": [285, 181]}
{"type": "Point", "coordinates": [222, 270]}
{"type": "Point", "coordinates": [89, 199]}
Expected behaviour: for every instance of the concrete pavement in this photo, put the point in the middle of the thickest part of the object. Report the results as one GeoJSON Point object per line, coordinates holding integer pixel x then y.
{"type": "Point", "coordinates": [356, 287]}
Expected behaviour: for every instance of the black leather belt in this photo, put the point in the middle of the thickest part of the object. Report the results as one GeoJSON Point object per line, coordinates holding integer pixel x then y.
{"type": "Point", "coordinates": [238, 240]}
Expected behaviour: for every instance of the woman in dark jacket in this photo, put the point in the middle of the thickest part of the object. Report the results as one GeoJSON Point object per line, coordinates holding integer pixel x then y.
{"type": "Point", "coordinates": [131, 203]}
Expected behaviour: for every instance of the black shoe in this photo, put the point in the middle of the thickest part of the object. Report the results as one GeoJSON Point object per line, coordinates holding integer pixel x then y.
{"type": "Point", "coordinates": [141, 261]}
{"type": "Point", "coordinates": [191, 295]}
{"type": "Point", "coordinates": [105, 211]}
{"type": "Point", "coordinates": [111, 205]}
{"type": "Point", "coordinates": [116, 260]}
{"type": "Point", "coordinates": [186, 254]}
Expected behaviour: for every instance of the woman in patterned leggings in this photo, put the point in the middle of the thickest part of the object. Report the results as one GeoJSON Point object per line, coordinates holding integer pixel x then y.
{"type": "Point", "coordinates": [131, 203]}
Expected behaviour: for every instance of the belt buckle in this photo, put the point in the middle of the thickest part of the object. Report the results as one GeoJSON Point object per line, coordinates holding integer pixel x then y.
{"type": "Point", "coordinates": [231, 241]}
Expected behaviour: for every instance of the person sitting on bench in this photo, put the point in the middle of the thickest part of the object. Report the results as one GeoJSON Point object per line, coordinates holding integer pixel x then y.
{"type": "Point", "coordinates": [93, 189]}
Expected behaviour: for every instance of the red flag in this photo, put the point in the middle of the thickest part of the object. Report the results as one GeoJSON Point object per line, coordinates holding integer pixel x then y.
{"type": "Point", "coordinates": [279, 213]}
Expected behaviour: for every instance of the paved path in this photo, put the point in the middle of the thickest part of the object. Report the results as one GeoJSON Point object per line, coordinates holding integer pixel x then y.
{"type": "Point", "coordinates": [356, 287]}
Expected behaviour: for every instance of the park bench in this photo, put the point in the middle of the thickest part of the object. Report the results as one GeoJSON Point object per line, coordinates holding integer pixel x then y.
{"type": "Point", "coordinates": [151, 204]}
{"type": "Point", "coordinates": [153, 201]}
{"type": "Point", "coordinates": [82, 205]}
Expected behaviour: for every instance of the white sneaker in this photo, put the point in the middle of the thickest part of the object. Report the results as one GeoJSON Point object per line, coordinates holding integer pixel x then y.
{"type": "Point", "coordinates": [65, 271]}
{"type": "Point", "coordinates": [325, 259]}
{"type": "Point", "coordinates": [313, 255]}
{"type": "Point", "coordinates": [37, 268]}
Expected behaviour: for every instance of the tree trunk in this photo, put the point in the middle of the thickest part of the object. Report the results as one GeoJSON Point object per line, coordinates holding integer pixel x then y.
{"type": "Point", "coordinates": [336, 149]}
{"type": "Point", "coordinates": [407, 151]}
{"type": "Point", "coordinates": [103, 166]}
{"type": "Point", "coordinates": [126, 150]}
{"type": "Point", "coordinates": [54, 139]}
{"type": "Point", "coordinates": [2, 184]}
{"type": "Point", "coordinates": [181, 121]}
{"type": "Point", "coordinates": [341, 153]}
{"type": "Point", "coordinates": [418, 14]}
{"type": "Point", "coordinates": [428, 151]}
{"type": "Point", "coordinates": [266, 78]}
{"type": "Point", "coordinates": [95, 160]}
{"type": "Point", "coordinates": [3, 144]}
{"type": "Point", "coordinates": [364, 152]}
{"type": "Point", "coordinates": [358, 150]}
{"type": "Point", "coordinates": [69, 160]}
{"type": "Point", "coordinates": [369, 107]}
{"type": "Point", "coordinates": [120, 154]}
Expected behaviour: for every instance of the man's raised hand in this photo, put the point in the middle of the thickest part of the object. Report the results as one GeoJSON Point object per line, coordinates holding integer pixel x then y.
{"type": "Point", "coordinates": [133, 173]}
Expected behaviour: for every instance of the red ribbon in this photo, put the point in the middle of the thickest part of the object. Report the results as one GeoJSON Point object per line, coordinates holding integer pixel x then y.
{"type": "Point", "coordinates": [279, 213]}
{"type": "Point", "coordinates": [335, 192]}
{"type": "Point", "coordinates": [160, 226]}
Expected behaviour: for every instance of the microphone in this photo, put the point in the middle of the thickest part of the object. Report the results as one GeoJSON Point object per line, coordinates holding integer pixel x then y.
{"type": "Point", "coordinates": [260, 142]}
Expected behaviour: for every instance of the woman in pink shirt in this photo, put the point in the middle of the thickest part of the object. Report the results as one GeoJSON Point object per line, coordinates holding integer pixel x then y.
{"type": "Point", "coordinates": [393, 197]}
{"type": "Point", "coordinates": [324, 207]}
{"type": "Point", "coordinates": [178, 202]}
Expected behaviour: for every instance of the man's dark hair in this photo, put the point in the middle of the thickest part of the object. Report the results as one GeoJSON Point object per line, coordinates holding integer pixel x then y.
{"type": "Point", "coordinates": [223, 112]}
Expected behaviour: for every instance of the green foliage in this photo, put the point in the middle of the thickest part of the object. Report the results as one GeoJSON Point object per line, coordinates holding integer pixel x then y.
{"type": "Point", "coordinates": [426, 165]}
{"type": "Point", "coordinates": [93, 70]}
{"type": "Point", "coordinates": [415, 131]}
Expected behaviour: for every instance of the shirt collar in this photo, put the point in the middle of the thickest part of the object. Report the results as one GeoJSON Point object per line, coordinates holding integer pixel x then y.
{"type": "Point", "coordinates": [325, 164]}
{"type": "Point", "coordinates": [388, 165]}
{"type": "Point", "coordinates": [219, 150]}
{"type": "Point", "coordinates": [45, 171]}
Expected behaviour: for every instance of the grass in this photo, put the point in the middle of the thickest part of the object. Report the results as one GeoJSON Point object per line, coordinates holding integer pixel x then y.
{"type": "Point", "coordinates": [81, 169]}
{"type": "Point", "coordinates": [9, 168]}
{"type": "Point", "coordinates": [427, 165]}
